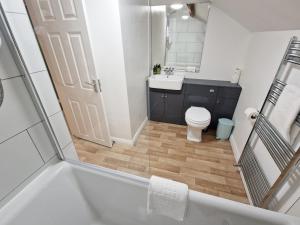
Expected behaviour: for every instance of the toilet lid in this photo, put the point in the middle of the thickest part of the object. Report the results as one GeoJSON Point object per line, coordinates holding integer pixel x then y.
{"type": "Point", "coordinates": [197, 114]}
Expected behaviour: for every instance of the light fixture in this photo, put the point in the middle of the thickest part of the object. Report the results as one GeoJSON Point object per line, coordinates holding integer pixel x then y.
{"type": "Point", "coordinates": [185, 17]}
{"type": "Point", "coordinates": [176, 6]}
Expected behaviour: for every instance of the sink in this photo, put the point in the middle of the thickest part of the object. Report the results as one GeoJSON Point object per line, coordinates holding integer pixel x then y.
{"type": "Point", "coordinates": [169, 82]}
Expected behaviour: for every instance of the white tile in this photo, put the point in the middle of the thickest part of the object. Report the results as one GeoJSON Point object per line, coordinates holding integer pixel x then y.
{"type": "Point", "coordinates": [17, 111]}
{"type": "Point", "coordinates": [195, 26]}
{"type": "Point", "coordinates": [172, 47]}
{"type": "Point", "coordinates": [8, 68]}
{"type": "Point", "coordinates": [181, 37]}
{"type": "Point", "coordinates": [180, 47]}
{"type": "Point", "coordinates": [173, 37]}
{"type": "Point", "coordinates": [70, 152]}
{"type": "Point", "coordinates": [197, 37]}
{"type": "Point", "coordinates": [171, 57]}
{"type": "Point", "coordinates": [190, 37]}
{"type": "Point", "coordinates": [19, 159]}
{"type": "Point", "coordinates": [60, 128]}
{"type": "Point", "coordinates": [13, 6]}
{"type": "Point", "coordinates": [184, 57]}
{"type": "Point", "coordinates": [197, 58]}
{"type": "Point", "coordinates": [42, 142]}
{"type": "Point", "coordinates": [172, 25]}
{"type": "Point", "coordinates": [194, 47]}
{"type": "Point", "coordinates": [26, 41]}
{"type": "Point", "coordinates": [44, 87]}
{"type": "Point", "coordinates": [182, 26]}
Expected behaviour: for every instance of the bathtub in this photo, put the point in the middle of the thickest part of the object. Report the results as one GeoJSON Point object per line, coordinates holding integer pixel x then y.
{"type": "Point", "coordinates": [72, 194]}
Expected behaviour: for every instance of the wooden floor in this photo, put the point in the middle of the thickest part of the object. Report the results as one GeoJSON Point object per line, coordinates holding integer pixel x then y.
{"type": "Point", "coordinates": [162, 150]}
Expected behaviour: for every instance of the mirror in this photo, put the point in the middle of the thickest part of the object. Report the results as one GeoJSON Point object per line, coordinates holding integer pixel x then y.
{"type": "Point", "coordinates": [178, 33]}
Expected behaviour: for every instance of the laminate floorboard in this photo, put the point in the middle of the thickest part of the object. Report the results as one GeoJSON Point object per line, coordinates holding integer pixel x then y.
{"type": "Point", "coordinates": [163, 150]}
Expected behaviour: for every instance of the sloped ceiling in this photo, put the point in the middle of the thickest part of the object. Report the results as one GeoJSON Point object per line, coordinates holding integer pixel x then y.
{"type": "Point", "coordinates": [263, 15]}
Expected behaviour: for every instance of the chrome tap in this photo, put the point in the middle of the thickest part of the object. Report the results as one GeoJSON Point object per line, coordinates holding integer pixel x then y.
{"type": "Point", "coordinates": [169, 71]}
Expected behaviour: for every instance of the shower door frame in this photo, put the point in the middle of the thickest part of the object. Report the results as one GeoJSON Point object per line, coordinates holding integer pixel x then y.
{"type": "Point", "coordinates": [19, 60]}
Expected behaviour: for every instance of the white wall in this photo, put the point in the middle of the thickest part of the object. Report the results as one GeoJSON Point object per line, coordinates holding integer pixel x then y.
{"type": "Point", "coordinates": [224, 46]}
{"type": "Point", "coordinates": [119, 32]}
{"type": "Point", "coordinates": [158, 34]}
{"type": "Point", "coordinates": [134, 16]}
{"type": "Point", "coordinates": [104, 26]}
{"type": "Point", "coordinates": [264, 55]}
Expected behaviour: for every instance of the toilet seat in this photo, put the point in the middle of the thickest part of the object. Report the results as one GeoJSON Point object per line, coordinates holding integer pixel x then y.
{"type": "Point", "coordinates": [197, 115]}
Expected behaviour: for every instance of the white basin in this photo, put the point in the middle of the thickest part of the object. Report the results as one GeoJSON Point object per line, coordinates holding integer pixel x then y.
{"type": "Point", "coordinates": [169, 82]}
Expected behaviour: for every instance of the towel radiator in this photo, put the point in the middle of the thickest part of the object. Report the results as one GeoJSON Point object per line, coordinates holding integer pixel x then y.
{"type": "Point", "coordinates": [285, 157]}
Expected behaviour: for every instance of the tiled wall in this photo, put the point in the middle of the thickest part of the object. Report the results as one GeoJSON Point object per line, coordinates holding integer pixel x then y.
{"type": "Point", "coordinates": [24, 144]}
{"type": "Point", "coordinates": [186, 37]}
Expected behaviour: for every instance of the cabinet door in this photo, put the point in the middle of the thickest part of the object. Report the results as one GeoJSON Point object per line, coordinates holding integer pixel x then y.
{"type": "Point", "coordinates": [201, 96]}
{"type": "Point", "coordinates": [174, 107]}
{"type": "Point", "coordinates": [224, 109]}
{"type": "Point", "coordinates": [226, 103]}
{"type": "Point", "coordinates": [157, 105]}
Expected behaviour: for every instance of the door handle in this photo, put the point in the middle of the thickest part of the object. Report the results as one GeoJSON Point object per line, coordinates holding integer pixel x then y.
{"type": "Point", "coordinates": [95, 84]}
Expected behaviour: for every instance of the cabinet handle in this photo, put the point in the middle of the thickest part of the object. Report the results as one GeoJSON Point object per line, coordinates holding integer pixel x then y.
{"type": "Point", "coordinates": [166, 95]}
{"type": "Point", "coordinates": [162, 96]}
{"type": "Point", "coordinates": [211, 90]}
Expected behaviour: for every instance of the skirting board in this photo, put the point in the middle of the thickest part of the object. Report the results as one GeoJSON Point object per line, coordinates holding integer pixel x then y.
{"type": "Point", "coordinates": [131, 142]}
{"type": "Point", "coordinates": [237, 155]}
{"type": "Point", "coordinates": [139, 130]}
{"type": "Point", "coordinates": [122, 141]}
{"type": "Point", "coordinates": [246, 188]}
{"type": "Point", "coordinates": [235, 149]}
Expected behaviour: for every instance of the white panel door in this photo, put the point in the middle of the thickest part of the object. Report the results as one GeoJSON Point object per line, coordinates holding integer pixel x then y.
{"type": "Point", "coordinates": [62, 31]}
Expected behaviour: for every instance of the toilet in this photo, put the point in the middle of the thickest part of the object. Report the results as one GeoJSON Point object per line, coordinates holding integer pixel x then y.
{"type": "Point", "coordinates": [197, 119]}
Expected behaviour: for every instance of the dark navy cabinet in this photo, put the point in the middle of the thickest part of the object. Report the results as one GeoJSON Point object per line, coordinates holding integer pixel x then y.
{"type": "Point", "coordinates": [219, 97]}
{"type": "Point", "coordinates": [157, 104]}
{"type": "Point", "coordinates": [166, 105]}
{"type": "Point", "coordinates": [226, 103]}
{"type": "Point", "coordinates": [201, 96]}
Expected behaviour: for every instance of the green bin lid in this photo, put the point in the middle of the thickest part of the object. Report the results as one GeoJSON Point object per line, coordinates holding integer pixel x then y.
{"type": "Point", "coordinates": [226, 121]}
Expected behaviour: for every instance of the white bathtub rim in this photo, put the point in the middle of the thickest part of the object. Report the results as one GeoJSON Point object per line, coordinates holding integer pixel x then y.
{"type": "Point", "coordinates": [194, 196]}
{"type": "Point", "coordinates": [209, 200]}
{"type": "Point", "coordinates": [17, 203]}
{"type": "Point", "coordinates": [107, 172]}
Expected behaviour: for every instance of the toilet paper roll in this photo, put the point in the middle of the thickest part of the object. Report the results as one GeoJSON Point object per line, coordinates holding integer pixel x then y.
{"type": "Point", "coordinates": [251, 114]}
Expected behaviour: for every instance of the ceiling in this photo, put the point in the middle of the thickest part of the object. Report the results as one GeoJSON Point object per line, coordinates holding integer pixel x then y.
{"type": "Point", "coordinates": [263, 15]}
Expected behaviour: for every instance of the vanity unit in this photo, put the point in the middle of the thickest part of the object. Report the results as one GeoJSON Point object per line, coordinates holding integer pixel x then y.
{"type": "Point", "coordinates": [218, 97]}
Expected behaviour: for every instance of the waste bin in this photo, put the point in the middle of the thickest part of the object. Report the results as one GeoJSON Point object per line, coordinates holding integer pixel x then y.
{"type": "Point", "coordinates": [224, 128]}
